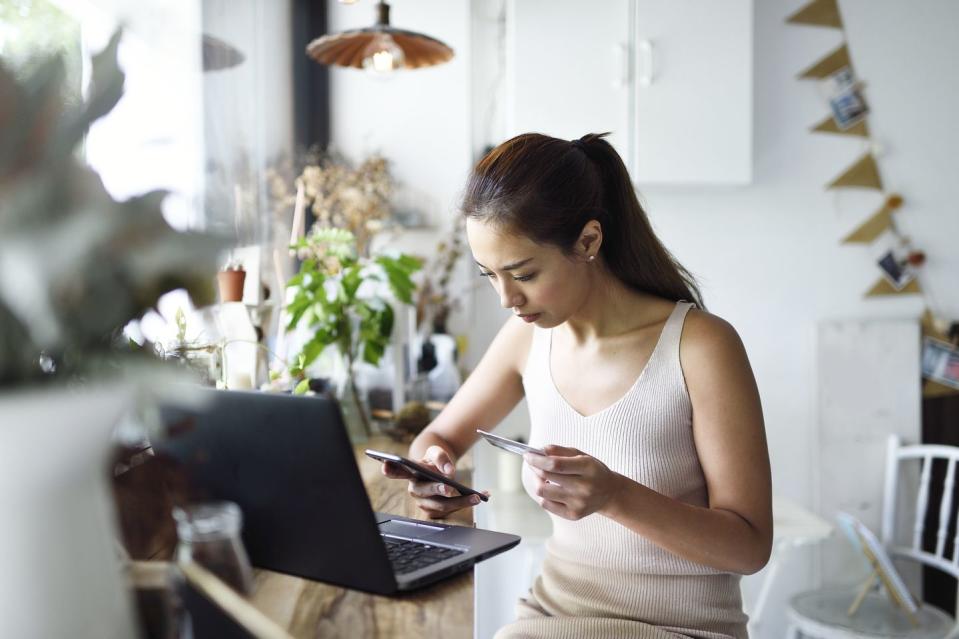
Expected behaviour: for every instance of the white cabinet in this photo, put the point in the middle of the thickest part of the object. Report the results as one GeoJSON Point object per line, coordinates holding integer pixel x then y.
{"type": "Point", "coordinates": [569, 65]}
{"type": "Point", "coordinates": [671, 79]}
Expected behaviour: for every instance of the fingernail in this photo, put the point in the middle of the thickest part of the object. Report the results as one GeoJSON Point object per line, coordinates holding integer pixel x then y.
{"type": "Point", "coordinates": [448, 468]}
{"type": "Point", "coordinates": [474, 499]}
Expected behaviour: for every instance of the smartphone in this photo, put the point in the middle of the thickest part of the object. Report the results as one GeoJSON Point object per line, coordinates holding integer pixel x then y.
{"type": "Point", "coordinates": [509, 445]}
{"type": "Point", "coordinates": [422, 472]}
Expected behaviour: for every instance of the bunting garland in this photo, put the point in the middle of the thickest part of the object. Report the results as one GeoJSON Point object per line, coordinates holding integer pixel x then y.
{"type": "Point", "coordinates": [820, 13]}
{"type": "Point", "coordinates": [829, 125]}
{"type": "Point", "coordinates": [883, 287]}
{"type": "Point", "coordinates": [872, 228]}
{"type": "Point", "coordinates": [864, 173]}
{"type": "Point", "coordinates": [835, 61]}
{"type": "Point", "coordinates": [900, 264]}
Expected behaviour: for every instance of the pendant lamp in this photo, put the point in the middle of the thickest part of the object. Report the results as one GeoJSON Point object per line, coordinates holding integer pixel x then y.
{"type": "Point", "coordinates": [380, 48]}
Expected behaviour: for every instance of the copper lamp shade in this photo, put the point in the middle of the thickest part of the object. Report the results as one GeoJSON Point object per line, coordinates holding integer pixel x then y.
{"type": "Point", "coordinates": [349, 48]}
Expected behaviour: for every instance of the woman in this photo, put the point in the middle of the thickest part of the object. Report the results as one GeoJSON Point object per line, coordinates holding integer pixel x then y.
{"type": "Point", "coordinates": [656, 475]}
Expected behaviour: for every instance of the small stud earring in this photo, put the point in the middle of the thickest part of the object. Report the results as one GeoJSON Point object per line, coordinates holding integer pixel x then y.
{"type": "Point", "coordinates": [590, 258]}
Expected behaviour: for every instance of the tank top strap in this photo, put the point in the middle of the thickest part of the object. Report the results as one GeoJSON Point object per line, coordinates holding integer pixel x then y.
{"type": "Point", "coordinates": [673, 332]}
{"type": "Point", "coordinates": [538, 356]}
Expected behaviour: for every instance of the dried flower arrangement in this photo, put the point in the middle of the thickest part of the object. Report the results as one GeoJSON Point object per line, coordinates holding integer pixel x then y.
{"type": "Point", "coordinates": [436, 299]}
{"type": "Point", "coordinates": [343, 196]}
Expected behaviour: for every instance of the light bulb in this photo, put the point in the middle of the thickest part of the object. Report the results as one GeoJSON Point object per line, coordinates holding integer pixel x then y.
{"type": "Point", "coordinates": [382, 55]}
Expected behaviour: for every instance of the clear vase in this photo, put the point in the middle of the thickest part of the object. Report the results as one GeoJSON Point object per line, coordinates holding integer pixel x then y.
{"type": "Point", "coordinates": [356, 414]}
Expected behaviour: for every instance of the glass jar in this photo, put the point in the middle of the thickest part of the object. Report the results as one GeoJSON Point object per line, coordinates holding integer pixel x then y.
{"type": "Point", "coordinates": [157, 587]}
{"type": "Point", "coordinates": [209, 534]}
{"type": "Point", "coordinates": [204, 360]}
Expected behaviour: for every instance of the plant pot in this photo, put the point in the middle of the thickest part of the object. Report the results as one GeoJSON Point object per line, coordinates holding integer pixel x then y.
{"type": "Point", "coordinates": [231, 285]}
{"type": "Point", "coordinates": [61, 576]}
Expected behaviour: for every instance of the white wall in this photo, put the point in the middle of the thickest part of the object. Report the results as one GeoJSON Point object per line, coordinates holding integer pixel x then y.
{"type": "Point", "coordinates": [431, 124]}
{"type": "Point", "coordinates": [419, 119]}
{"type": "Point", "coordinates": [768, 255]}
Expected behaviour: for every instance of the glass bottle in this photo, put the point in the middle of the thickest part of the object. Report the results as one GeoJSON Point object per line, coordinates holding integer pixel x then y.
{"type": "Point", "coordinates": [209, 534]}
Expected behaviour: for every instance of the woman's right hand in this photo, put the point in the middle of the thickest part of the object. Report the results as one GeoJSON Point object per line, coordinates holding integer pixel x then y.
{"type": "Point", "coordinates": [436, 499]}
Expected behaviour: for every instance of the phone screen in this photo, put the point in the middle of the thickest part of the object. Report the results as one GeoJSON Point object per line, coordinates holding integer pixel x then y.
{"type": "Point", "coordinates": [423, 472]}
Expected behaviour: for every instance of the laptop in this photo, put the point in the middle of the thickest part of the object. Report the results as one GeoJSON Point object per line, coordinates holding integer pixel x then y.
{"type": "Point", "coordinates": [288, 463]}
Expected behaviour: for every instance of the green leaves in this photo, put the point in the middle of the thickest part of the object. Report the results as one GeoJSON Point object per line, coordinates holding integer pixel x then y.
{"type": "Point", "coordinates": [338, 296]}
{"type": "Point", "coordinates": [302, 387]}
{"type": "Point", "coordinates": [399, 271]}
{"type": "Point", "coordinates": [375, 327]}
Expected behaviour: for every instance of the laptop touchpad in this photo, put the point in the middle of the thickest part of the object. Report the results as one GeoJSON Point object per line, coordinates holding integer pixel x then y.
{"type": "Point", "coordinates": [409, 529]}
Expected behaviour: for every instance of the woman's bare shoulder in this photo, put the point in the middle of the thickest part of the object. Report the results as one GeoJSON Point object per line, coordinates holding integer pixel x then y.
{"type": "Point", "coordinates": [513, 342]}
{"type": "Point", "coordinates": [710, 342]}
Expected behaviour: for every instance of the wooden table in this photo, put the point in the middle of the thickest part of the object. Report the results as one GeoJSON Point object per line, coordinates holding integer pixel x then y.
{"type": "Point", "coordinates": [311, 609]}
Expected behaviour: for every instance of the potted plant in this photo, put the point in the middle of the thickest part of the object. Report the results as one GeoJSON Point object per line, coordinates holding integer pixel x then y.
{"type": "Point", "coordinates": [230, 281]}
{"type": "Point", "coordinates": [340, 298]}
{"type": "Point", "coordinates": [75, 268]}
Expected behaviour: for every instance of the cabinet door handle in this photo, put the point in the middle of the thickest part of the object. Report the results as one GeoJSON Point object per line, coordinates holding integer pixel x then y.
{"type": "Point", "coordinates": [648, 68]}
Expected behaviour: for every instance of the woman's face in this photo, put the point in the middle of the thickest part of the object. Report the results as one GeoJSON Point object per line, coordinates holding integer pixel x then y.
{"type": "Point", "coordinates": [539, 283]}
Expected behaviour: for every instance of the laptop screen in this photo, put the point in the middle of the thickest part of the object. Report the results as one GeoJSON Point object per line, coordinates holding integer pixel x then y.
{"type": "Point", "coordinates": [289, 465]}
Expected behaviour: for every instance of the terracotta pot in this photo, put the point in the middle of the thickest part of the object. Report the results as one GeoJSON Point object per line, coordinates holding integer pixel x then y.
{"type": "Point", "coordinates": [231, 285]}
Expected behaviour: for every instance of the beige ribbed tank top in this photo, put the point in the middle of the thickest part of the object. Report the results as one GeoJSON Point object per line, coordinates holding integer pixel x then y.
{"type": "Point", "coordinates": [600, 578]}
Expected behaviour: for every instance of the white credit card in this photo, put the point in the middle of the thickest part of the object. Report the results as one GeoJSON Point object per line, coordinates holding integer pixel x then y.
{"type": "Point", "coordinates": [509, 445]}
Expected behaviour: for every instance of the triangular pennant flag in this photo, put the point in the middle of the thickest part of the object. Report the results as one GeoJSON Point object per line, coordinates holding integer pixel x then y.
{"type": "Point", "coordinates": [864, 174]}
{"type": "Point", "coordinates": [828, 65]}
{"type": "Point", "coordinates": [928, 323]}
{"type": "Point", "coordinates": [883, 287]}
{"type": "Point", "coordinates": [829, 126]}
{"type": "Point", "coordinates": [935, 389]}
{"type": "Point", "coordinates": [820, 13]}
{"type": "Point", "coordinates": [871, 228]}
{"type": "Point", "coordinates": [875, 225]}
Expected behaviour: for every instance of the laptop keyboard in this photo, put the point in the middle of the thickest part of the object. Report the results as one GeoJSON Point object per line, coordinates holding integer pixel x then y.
{"type": "Point", "coordinates": [407, 556]}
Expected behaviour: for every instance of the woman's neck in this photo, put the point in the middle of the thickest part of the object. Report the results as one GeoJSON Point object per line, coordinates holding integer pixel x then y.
{"type": "Point", "coordinates": [610, 308]}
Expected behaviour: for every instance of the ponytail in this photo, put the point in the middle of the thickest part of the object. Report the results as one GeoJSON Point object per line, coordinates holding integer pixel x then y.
{"type": "Point", "coordinates": [547, 189]}
{"type": "Point", "coordinates": [630, 247]}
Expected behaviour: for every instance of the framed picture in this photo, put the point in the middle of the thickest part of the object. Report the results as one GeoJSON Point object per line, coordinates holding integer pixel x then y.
{"type": "Point", "coordinates": [845, 98]}
{"type": "Point", "coordinates": [940, 362]}
{"type": "Point", "coordinates": [875, 553]}
{"type": "Point", "coordinates": [896, 270]}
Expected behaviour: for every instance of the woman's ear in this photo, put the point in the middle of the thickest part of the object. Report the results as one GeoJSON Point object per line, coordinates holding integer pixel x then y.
{"type": "Point", "coordinates": [590, 240]}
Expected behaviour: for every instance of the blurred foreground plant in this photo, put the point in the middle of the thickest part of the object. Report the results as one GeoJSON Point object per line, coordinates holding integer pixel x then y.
{"type": "Point", "coordinates": [76, 265]}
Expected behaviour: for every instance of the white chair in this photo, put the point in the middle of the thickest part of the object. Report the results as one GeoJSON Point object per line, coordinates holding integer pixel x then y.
{"type": "Point", "coordinates": [823, 613]}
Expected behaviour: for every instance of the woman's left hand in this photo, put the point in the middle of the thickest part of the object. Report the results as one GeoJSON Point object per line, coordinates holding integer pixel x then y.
{"type": "Point", "coordinates": [571, 484]}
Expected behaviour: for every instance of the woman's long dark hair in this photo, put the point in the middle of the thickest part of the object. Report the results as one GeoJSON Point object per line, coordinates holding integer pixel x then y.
{"type": "Point", "coordinates": [547, 189]}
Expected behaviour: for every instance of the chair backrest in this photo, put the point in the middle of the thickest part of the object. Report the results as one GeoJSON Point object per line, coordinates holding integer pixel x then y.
{"type": "Point", "coordinates": [898, 457]}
